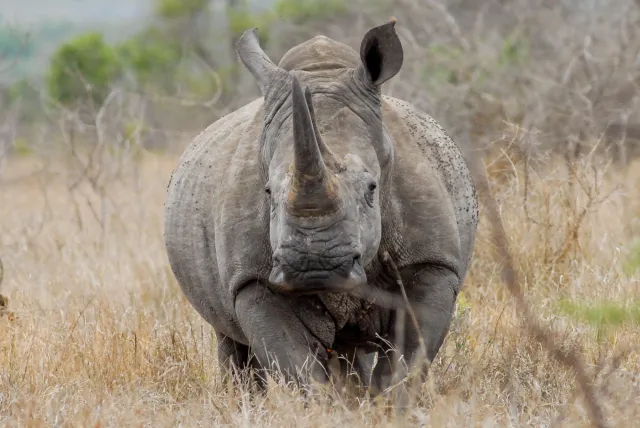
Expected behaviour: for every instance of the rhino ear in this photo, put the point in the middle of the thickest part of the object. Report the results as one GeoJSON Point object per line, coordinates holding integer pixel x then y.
{"type": "Point", "coordinates": [381, 53]}
{"type": "Point", "coordinates": [257, 62]}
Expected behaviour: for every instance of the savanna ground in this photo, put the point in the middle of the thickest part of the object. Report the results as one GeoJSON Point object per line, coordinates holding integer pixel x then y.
{"type": "Point", "coordinates": [96, 331]}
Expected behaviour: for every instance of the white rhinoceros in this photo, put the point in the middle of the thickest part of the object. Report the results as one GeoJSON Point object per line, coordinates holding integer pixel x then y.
{"type": "Point", "coordinates": [279, 212]}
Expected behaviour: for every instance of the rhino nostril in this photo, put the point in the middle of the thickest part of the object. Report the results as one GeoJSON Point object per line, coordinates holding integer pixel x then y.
{"type": "Point", "coordinates": [356, 259]}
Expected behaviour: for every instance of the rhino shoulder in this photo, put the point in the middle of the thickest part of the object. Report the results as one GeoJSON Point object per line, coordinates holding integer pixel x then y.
{"type": "Point", "coordinates": [442, 152]}
{"type": "Point", "coordinates": [428, 154]}
{"type": "Point", "coordinates": [219, 138]}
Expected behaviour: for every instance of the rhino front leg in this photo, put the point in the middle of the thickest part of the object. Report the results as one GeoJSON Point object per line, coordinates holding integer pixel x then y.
{"type": "Point", "coordinates": [277, 328]}
{"type": "Point", "coordinates": [234, 360]}
{"type": "Point", "coordinates": [232, 355]}
{"type": "Point", "coordinates": [432, 291]}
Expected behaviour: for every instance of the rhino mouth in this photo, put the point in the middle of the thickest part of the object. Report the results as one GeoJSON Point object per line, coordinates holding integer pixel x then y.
{"type": "Point", "coordinates": [285, 279]}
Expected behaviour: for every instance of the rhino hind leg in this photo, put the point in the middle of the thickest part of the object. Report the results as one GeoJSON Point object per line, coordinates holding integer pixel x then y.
{"type": "Point", "coordinates": [353, 370]}
{"type": "Point", "coordinates": [382, 372]}
{"type": "Point", "coordinates": [434, 292]}
{"type": "Point", "coordinates": [232, 356]}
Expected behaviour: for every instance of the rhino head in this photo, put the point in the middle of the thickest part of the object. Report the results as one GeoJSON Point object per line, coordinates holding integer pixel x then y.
{"type": "Point", "coordinates": [325, 189]}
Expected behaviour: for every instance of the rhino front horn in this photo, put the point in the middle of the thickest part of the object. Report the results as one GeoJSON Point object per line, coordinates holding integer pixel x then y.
{"type": "Point", "coordinates": [314, 187]}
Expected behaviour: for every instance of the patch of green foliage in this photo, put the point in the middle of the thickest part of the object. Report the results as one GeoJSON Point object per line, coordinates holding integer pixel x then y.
{"type": "Point", "coordinates": [306, 10]}
{"type": "Point", "coordinates": [21, 147]}
{"type": "Point", "coordinates": [83, 68]}
{"type": "Point", "coordinates": [447, 63]}
{"type": "Point", "coordinates": [158, 57]}
{"type": "Point", "coordinates": [240, 19]}
{"type": "Point", "coordinates": [602, 314]}
{"type": "Point", "coordinates": [441, 63]}
{"type": "Point", "coordinates": [24, 93]}
{"type": "Point", "coordinates": [133, 151]}
{"type": "Point", "coordinates": [201, 84]}
{"type": "Point", "coordinates": [132, 130]}
{"type": "Point", "coordinates": [167, 56]}
{"type": "Point", "coordinates": [179, 8]}
{"type": "Point", "coordinates": [605, 317]}
{"type": "Point", "coordinates": [515, 49]}
{"type": "Point", "coordinates": [464, 306]}
{"type": "Point", "coordinates": [150, 57]}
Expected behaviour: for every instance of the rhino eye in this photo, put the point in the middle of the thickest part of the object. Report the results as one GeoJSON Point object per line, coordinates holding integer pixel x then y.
{"type": "Point", "coordinates": [371, 189]}
{"type": "Point", "coordinates": [267, 190]}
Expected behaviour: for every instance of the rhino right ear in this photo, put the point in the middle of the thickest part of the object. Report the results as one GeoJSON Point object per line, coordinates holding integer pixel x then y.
{"type": "Point", "coordinates": [257, 62]}
{"type": "Point", "coordinates": [381, 54]}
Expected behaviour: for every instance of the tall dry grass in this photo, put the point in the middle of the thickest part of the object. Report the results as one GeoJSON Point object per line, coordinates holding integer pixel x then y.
{"type": "Point", "coordinates": [99, 333]}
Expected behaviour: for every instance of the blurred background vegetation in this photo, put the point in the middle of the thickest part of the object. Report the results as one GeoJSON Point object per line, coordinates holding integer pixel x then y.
{"type": "Point", "coordinates": [175, 58]}
{"type": "Point", "coordinates": [566, 71]}
{"type": "Point", "coordinates": [514, 80]}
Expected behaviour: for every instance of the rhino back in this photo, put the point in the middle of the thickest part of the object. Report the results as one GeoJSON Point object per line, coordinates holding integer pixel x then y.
{"type": "Point", "coordinates": [436, 205]}
{"type": "Point", "coordinates": [213, 197]}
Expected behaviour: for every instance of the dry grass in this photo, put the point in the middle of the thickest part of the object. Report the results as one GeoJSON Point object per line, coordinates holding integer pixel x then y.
{"type": "Point", "coordinates": [101, 334]}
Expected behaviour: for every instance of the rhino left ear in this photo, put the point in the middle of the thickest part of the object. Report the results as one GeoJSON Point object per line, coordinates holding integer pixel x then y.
{"type": "Point", "coordinates": [266, 73]}
{"type": "Point", "coordinates": [381, 53]}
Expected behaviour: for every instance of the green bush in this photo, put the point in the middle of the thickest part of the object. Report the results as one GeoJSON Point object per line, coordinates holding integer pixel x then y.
{"type": "Point", "coordinates": [150, 57]}
{"type": "Point", "coordinates": [158, 57]}
{"type": "Point", "coordinates": [82, 69]}
{"type": "Point", "coordinates": [305, 10]}
{"type": "Point", "coordinates": [22, 148]}
{"type": "Point", "coordinates": [240, 19]}
{"type": "Point", "coordinates": [179, 8]}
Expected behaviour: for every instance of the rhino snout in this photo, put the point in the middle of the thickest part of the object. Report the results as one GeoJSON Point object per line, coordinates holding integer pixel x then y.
{"type": "Point", "coordinates": [310, 274]}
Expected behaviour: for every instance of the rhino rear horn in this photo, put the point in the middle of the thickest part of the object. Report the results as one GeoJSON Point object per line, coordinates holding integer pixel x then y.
{"type": "Point", "coordinates": [330, 160]}
{"type": "Point", "coordinates": [266, 73]}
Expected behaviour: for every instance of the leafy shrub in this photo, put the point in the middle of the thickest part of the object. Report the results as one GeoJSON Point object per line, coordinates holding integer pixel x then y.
{"type": "Point", "coordinates": [240, 19]}
{"type": "Point", "coordinates": [83, 68]}
{"type": "Point", "coordinates": [150, 57]}
{"type": "Point", "coordinates": [179, 8]}
{"type": "Point", "coordinates": [304, 10]}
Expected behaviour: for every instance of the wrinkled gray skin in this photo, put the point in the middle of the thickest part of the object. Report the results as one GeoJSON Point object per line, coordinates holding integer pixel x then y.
{"type": "Point", "coordinates": [278, 212]}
